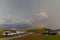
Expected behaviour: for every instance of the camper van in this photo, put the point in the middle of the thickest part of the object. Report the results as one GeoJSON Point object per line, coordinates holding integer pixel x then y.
{"type": "Point", "coordinates": [7, 33]}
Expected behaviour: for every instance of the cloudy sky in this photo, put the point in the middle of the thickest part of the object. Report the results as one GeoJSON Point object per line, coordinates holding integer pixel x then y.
{"type": "Point", "coordinates": [14, 11]}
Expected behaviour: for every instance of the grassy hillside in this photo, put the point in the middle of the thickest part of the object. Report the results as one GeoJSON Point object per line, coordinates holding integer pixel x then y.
{"type": "Point", "coordinates": [39, 37]}
{"type": "Point", "coordinates": [1, 33]}
{"type": "Point", "coordinates": [36, 29]}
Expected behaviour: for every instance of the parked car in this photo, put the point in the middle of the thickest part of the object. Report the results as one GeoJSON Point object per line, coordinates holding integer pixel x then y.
{"type": "Point", "coordinates": [49, 32]}
{"type": "Point", "coordinates": [52, 33]}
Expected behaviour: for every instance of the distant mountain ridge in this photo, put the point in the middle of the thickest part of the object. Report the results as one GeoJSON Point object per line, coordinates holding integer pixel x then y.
{"type": "Point", "coordinates": [16, 26]}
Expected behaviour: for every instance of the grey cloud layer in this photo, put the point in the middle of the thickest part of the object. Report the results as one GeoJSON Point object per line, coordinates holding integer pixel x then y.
{"type": "Point", "coordinates": [12, 11]}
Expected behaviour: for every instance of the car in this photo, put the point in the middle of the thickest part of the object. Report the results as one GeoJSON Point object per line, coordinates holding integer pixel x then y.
{"type": "Point", "coordinates": [52, 33]}
{"type": "Point", "coordinates": [49, 33]}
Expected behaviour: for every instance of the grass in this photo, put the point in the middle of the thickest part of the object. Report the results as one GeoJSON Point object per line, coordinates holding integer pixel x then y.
{"type": "Point", "coordinates": [39, 37]}
{"type": "Point", "coordinates": [35, 36]}
{"type": "Point", "coordinates": [55, 37]}
{"type": "Point", "coordinates": [1, 33]}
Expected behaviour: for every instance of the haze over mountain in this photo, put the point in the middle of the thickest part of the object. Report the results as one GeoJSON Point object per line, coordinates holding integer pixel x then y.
{"type": "Point", "coordinates": [16, 26]}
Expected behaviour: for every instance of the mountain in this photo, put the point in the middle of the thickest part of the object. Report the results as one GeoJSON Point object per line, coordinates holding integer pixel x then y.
{"type": "Point", "coordinates": [16, 26]}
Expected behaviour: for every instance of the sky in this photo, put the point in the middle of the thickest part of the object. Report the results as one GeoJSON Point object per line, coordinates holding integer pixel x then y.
{"type": "Point", "coordinates": [17, 11]}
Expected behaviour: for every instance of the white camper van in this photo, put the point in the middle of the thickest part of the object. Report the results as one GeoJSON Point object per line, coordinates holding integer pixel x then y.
{"type": "Point", "coordinates": [7, 33]}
